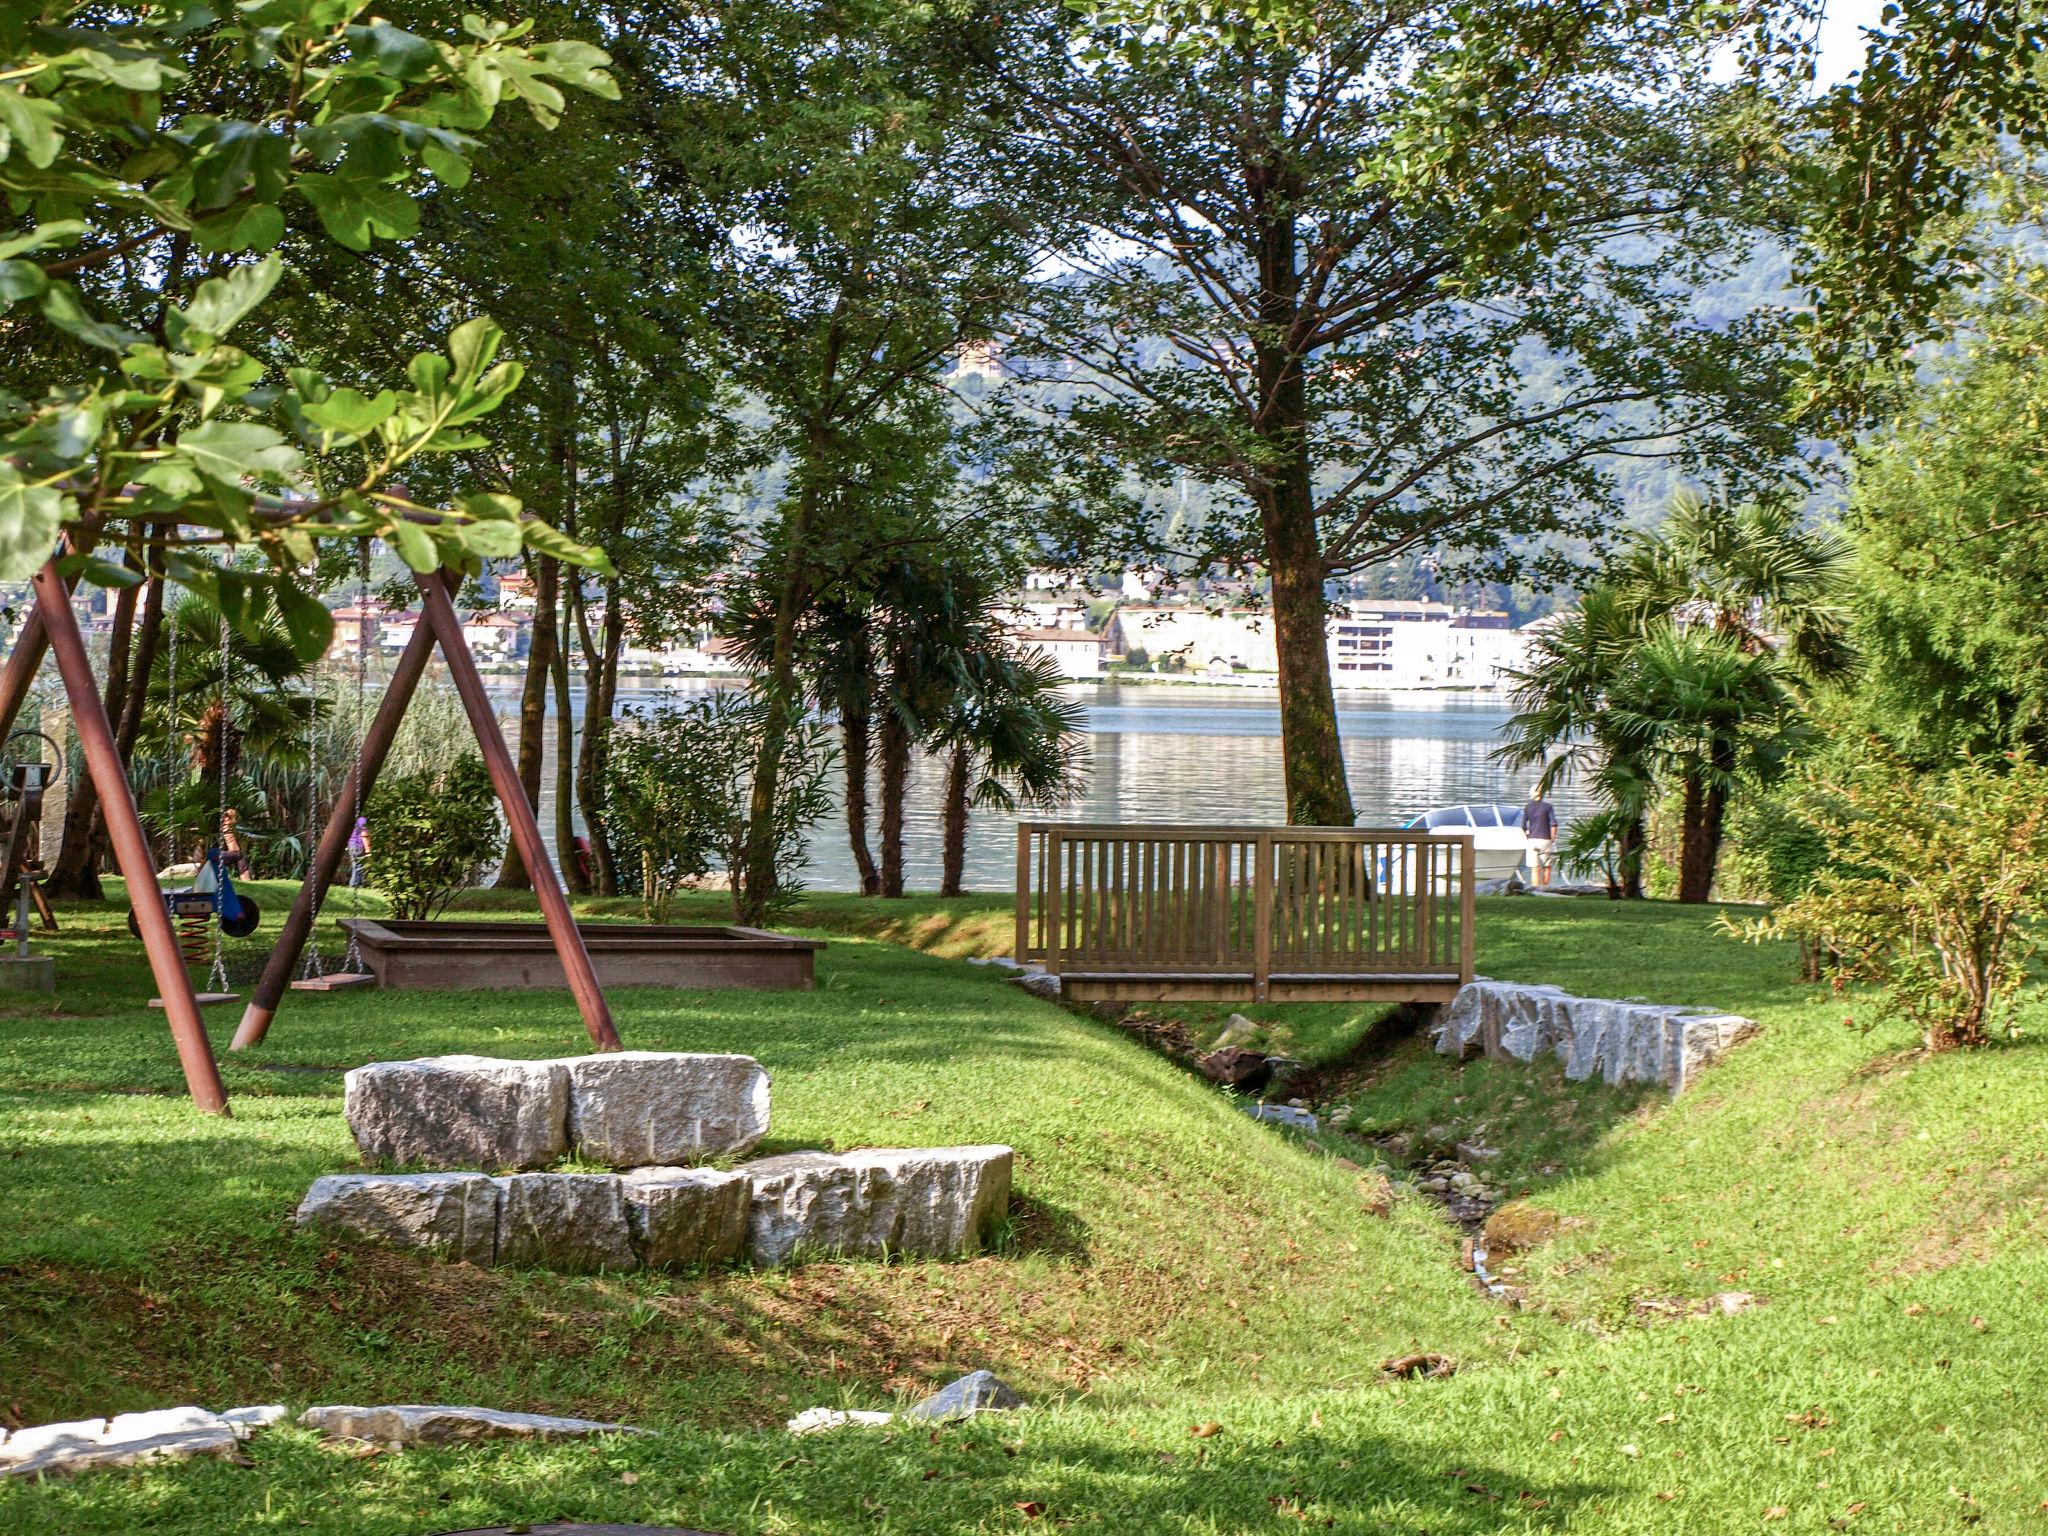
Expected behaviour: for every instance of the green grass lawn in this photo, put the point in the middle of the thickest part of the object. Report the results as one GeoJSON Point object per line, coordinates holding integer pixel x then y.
{"type": "Point", "coordinates": [1171, 1264]}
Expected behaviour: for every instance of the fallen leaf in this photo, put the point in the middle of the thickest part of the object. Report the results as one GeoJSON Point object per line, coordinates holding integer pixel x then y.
{"type": "Point", "coordinates": [629, 1478]}
{"type": "Point", "coordinates": [1630, 1450]}
{"type": "Point", "coordinates": [1776, 1512]}
{"type": "Point", "coordinates": [1204, 1431]}
{"type": "Point", "coordinates": [1030, 1509]}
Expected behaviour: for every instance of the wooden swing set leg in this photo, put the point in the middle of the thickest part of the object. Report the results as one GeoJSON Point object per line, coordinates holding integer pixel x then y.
{"type": "Point", "coordinates": [554, 906]}
{"type": "Point", "coordinates": [59, 627]}
{"type": "Point", "coordinates": [333, 845]}
{"type": "Point", "coordinates": [23, 662]}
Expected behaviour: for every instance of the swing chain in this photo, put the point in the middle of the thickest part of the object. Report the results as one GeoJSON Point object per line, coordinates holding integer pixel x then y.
{"type": "Point", "coordinates": [219, 978]}
{"type": "Point", "coordinates": [352, 962]}
{"type": "Point", "coordinates": [314, 963]}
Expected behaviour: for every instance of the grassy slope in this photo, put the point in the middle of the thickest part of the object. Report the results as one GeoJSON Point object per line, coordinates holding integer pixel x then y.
{"type": "Point", "coordinates": [1181, 1264]}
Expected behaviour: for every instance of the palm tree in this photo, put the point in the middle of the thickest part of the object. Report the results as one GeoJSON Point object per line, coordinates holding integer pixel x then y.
{"type": "Point", "coordinates": [1753, 573]}
{"type": "Point", "coordinates": [1563, 720]}
{"type": "Point", "coordinates": [1709, 712]}
{"type": "Point", "coordinates": [1011, 739]}
{"type": "Point", "coordinates": [1685, 662]}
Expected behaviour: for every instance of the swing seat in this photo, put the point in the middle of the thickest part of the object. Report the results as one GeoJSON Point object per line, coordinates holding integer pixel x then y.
{"type": "Point", "coordinates": [338, 981]}
{"type": "Point", "coordinates": [204, 999]}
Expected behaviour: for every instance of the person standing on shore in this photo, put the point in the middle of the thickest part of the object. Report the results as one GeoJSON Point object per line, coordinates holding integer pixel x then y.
{"type": "Point", "coordinates": [1539, 826]}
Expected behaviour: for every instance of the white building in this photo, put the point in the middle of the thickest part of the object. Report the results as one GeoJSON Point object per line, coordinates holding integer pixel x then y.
{"type": "Point", "coordinates": [1407, 644]}
{"type": "Point", "coordinates": [1075, 652]}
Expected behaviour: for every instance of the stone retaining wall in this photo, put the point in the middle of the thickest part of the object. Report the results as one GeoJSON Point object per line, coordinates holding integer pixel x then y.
{"type": "Point", "coordinates": [1619, 1042]}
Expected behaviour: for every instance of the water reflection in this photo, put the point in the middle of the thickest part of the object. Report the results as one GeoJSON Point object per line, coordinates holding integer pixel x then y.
{"type": "Point", "coordinates": [1191, 754]}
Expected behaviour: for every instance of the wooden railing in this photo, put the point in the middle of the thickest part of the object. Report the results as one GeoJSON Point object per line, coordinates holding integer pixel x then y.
{"type": "Point", "coordinates": [1256, 912]}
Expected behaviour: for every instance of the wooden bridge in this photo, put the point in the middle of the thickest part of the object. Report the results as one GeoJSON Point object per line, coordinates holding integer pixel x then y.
{"type": "Point", "coordinates": [1280, 914]}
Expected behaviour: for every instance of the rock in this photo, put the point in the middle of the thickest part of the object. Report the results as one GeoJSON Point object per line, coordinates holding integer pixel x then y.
{"type": "Point", "coordinates": [454, 1215]}
{"type": "Point", "coordinates": [246, 1421]}
{"type": "Point", "coordinates": [815, 1420]}
{"type": "Point", "coordinates": [1399, 1146]}
{"type": "Point", "coordinates": [1237, 1030]}
{"type": "Point", "coordinates": [125, 1440]}
{"type": "Point", "coordinates": [976, 1392]}
{"type": "Point", "coordinates": [934, 1203]}
{"type": "Point", "coordinates": [573, 1222]}
{"type": "Point", "coordinates": [1282, 1067]}
{"type": "Point", "coordinates": [460, 1112]}
{"type": "Point", "coordinates": [1519, 1226]}
{"type": "Point", "coordinates": [1285, 1115]}
{"type": "Point", "coordinates": [1001, 962]}
{"type": "Point", "coordinates": [637, 1109]}
{"type": "Point", "coordinates": [1473, 1152]}
{"type": "Point", "coordinates": [1038, 983]}
{"type": "Point", "coordinates": [1375, 1192]}
{"type": "Point", "coordinates": [686, 1218]}
{"type": "Point", "coordinates": [1237, 1067]}
{"type": "Point", "coordinates": [1620, 1042]}
{"type": "Point", "coordinates": [448, 1424]}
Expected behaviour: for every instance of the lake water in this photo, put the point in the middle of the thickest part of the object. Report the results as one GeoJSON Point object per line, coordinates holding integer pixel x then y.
{"type": "Point", "coordinates": [1189, 754]}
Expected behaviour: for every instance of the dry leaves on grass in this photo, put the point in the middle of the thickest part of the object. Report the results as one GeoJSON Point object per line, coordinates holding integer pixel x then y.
{"type": "Point", "coordinates": [1422, 1363]}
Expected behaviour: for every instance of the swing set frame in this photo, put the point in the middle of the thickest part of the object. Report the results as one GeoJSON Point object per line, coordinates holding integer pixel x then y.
{"type": "Point", "coordinates": [52, 628]}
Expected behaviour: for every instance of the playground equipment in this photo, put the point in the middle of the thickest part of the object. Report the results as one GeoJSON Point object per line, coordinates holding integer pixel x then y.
{"type": "Point", "coordinates": [51, 628]}
{"type": "Point", "coordinates": [21, 867]}
{"type": "Point", "coordinates": [314, 976]}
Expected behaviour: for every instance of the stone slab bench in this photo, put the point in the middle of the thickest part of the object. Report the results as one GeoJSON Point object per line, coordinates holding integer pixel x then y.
{"type": "Point", "coordinates": [623, 1109]}
{"type": "Point", "coordinates": [1619, 1042]}
{"type": "Point", "coordinates": [932, 1203]}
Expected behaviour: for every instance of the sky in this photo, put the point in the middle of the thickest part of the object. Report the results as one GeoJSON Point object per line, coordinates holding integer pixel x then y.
{"type": "Point", "coordinates": [1841, 36]}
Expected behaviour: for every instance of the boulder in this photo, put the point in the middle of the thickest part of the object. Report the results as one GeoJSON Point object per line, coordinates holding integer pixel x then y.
{"type": "Point", "coordinates": [454, 1215]}
{"type": "Point", "coordinates": [976, 1392]}
{"type": "Point", "coordinates": [246, 1421]}
{"type": "Point", "coordinates": [1239, 1067]}
{"type": "Point", "coordinates": [1286, 1116]}
{"type": "Point", "coordinates": [1039, 982]}
{"type": "Point", "coordinates": [125, 1440]}
{"type": "Point", "coordinates": [814, 1421]}
{"type": "Point", "coordinates": [686, 1218]}
{"type": "Point", "coordinates": [573, 1222]}
{"type": "Point", "coordinates": [1237, 1030]}
{"type": "Point", "coordinates": [460, 1112]}
{"type": "Point", "coordinates": [1620, 1042]}
{"type": "Point", "coordinates": [1375, 1192]}
{"type": "Point", "coordinates": [448, 1424]}
{"type": "Point", "coordinates": [636, 1109]}
{"type": "Point", "coordinates": [932, 1203]}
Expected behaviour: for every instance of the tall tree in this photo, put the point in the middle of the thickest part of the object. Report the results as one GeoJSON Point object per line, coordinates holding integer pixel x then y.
{"type": "Point", "coordinates": [864, 245]}
{"type": "Point", "coordinates": [1271, 296]}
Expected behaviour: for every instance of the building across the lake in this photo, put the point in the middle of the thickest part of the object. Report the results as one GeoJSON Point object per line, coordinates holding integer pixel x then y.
{"type": "Point", "coordinates": [1402, 643]}
{"type": "Point", "coordinates": [1076, 653]}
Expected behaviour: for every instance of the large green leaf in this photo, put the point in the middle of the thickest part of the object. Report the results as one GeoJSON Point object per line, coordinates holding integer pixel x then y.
{"type": "Point", "coordinates": [415, 547]}
{"type": "Point", "coordinates": [222, 302]}
{"type": "Point", "coordinates": [227, 451]}
{"type": "Point", "coordinates": [492, 540]}
{"type": "Point", "coordinates": [354, 212]}
{"type": "Point", "coordinates": [30, 516]}
{"type": "Point", "coordinates": [30, 124]}
{"type": "Point", "coordinates": [306, 619]}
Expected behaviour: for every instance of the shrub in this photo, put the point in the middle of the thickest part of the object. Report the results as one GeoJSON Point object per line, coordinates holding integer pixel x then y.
{"type": "Point", "coordinates": [677, 788]}
{"type": "Point", "coordinates": [432, 834]}
{"type": "Point", "coordinates": [1929, 889]}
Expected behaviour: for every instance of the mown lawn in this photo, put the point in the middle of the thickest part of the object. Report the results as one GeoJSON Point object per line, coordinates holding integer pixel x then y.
{"type": "Point", "coordinates": [1171, 1265]}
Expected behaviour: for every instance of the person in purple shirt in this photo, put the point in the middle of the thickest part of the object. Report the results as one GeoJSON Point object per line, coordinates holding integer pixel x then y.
{"type": "Point", "coordinates": [1539, 826]}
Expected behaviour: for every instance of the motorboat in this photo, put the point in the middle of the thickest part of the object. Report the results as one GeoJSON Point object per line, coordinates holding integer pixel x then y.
{"type": "Point", "coordinates": [1498, 844]}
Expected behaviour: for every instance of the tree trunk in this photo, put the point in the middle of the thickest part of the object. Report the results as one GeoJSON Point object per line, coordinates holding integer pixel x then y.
{"type": "Point", "coordinates": [893, 744]}
{"type": "Point", "coordinates": [1698, 840]}
{"type": "Point", "coordinates": [956, 823]}
{"type": "Point", "coordinates": [573, 877]}
{"type": "Point", "coordinates": [1312, 755]}
{"type": "Point", "coordinates": [76, 870]}
{"type": "Point", "coordinates": [754, 888]}
{"type": "Point", "coordinates": [533, 709]}
{"type": "Point", "coordinates": [856, 726]}
{"type": "Point", "coordinates": [601, 686]}
{"type": "Point", "coordinates": [1629, 860]}
{"type": "Point", "coordinates": [1699, 852]}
